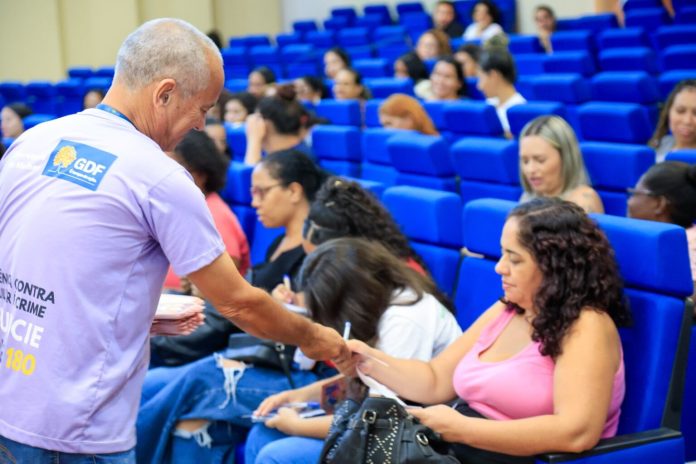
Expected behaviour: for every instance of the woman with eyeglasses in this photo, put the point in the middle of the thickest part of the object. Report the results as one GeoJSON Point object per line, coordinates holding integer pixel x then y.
{"type": "Point", "coordinates": [667, 193]}
{"type": "Point", "coordinates": [183, 409]}
{"type": "Point", "coordinates": [551, 164]}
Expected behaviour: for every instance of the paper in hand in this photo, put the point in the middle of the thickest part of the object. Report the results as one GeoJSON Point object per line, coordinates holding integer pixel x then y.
{"type": "Point", "coordinates": [177, 307]}
{"type": "Point", "coordinates": [377, 389]}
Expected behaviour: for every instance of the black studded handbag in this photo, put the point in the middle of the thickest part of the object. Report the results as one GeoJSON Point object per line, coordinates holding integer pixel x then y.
{"type": "Point", "coordinates": [381, 431]}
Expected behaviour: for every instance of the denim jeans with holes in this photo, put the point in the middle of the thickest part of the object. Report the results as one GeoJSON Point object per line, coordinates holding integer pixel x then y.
{"type": "Point", "coordinates": [204, 390]}
{"type": "Point", "coordinates": [12, 452]}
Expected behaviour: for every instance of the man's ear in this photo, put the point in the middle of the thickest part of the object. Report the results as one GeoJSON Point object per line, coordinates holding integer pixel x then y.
{"type": "Point", "coordinates": [164, 89]}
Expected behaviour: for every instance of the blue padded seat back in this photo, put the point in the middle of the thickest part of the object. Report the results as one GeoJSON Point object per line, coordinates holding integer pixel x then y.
{"type": "Point", "coordinates": [353, 36]}
{"type": "Point", "coordinates": [335, 24]}
{"type": "Point", "coordinates": [628, 87]}
{"type": "Point", "coordinates": [36, 118]}
{"type": "Point", "coordinates": [629, 59]}
{"type": "Point", "coordinates": [567, 88]}
{"type": "Point", "coordinates": [615, 122]}
{"type": "Point", "coordinates": [105, 71]}
{"type": "Point", "coordinates": [246, 215]}
{"type": "Point", "coordinates": [576, 40]}
{"type": "Point", "coordinates": [236, 85]}
{"type": "Point", "coordinates": [580, 62]}
{"type": "Point", "coordinates": [235, 55]}
{"type": "Point", "coordinates": [473, 190]}
{"type": "Point", "coordinates": [340, 112]}
{"type": "Point", "coordinates": [482, 224]}
{"type": "Point", "coordinates": [340, 167]}
{"type": "Point", "coordinates": [529, 63]}
{"type": "Point", "coordinates": [615, 166]}
{"type": "Point", "coordinates": [647, 18]}
{"type": "Point", "coordinates": [477, 288]}
{"type": "Point", "coordinates": [70, 95]}
{"type": "Point", "coordinates": [652, 256]}
{"type": "Point", "coordinates": [236, 140]}
{"type": "Point", "coordinates": [264, 55]}
{"type": "Point", "coordinates": [669, 79]}
{"type": "Point", "coordinates": [296, 52]}
{"type": "Point", "coordinates": [425, 215]}
{"type": "Point", "coordinates": [380, 9]}
{"type": "Point", "coordinates": [254, 40]}
{"type": "Point", "coordinates": [486, 159]}
{"type": "Point", "coordinates": [304, 26]}
{"type": "Point", "coordinates": [237, 189]}
{"type": "Point", "coordinates": [409, 7]}
{"type": "Point", "coordinates": [263, 237]}
{"type": "Point", "coordinates": [285, 40]}
{"type": "Point", "coordinates": [679, 57]}
{"type": "Point", "coordinates": [420, 154]}
{"type": "Point", "coordinates": [41, 97]}
{"type": "Point", "coordinates": [686, 156]}
{"type": "Point", "coordinates": [472, 118]}
{"type": "Point", "coordinates": [520, 115]}
{"type": "Point", "coordinates": [345, 12]}
{"type": "Point", "coordinates": [389, 34]}
{"type": "Point", "coordinates": [321, 39]}
{"type": "Point", "coordinates": [436, 111]}
{"type": "Point", "coordinates": [373, 68]}
{"type": "Point", "coordinates": [102, 83]}
{"type": "Point", "coordinates": [620, 38]}
{"type": "Point", "coordinates": [372, 186]}
{"type": "Point", "coordinates": [383, 87]}
{"type": "Point", "coordinates": [337, 142]}
{"type": "Point", "coordinates": [667, 36]}
{"type": "Point", "coordinates": [441, 262]}
{"type": "Point", "coordinates": [380, 173]}
{"type": "Point", "coordinates": [80, 72]}
{"type": "Point", "coordinates": [374, 144]}
{"type": "Point", "coordinates": [372, 112]}
{"type": "Point", "coordinates": [524, 44]}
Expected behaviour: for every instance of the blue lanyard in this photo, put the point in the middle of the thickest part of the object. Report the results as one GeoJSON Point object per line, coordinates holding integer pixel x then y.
{"type": "Point", "coordinates": [114, 111]}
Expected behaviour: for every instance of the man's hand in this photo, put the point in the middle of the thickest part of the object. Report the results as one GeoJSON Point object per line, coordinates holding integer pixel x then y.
{"type": "Point", "coordinates": [326, 343]}
{"type": "Point", "coordinates": [177, 327]}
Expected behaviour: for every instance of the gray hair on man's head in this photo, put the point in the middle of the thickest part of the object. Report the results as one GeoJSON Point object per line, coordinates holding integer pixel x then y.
{"type": "Point", "coordinates": [166, 48]}
{"type": "Point", "coordinates": [560, 135]}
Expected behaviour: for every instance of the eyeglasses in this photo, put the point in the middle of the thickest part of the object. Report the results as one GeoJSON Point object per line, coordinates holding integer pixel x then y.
{"type": "Point", "coordinates": [634, 191]}
{"type": "Point", "coordinates": [261, 192]}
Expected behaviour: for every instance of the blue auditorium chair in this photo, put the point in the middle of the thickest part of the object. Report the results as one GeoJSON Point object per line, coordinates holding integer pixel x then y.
{"type": "Point", "coordinates": [472, 90]}
{"type": "Point", "coordinates": [422, 161]}
{"type": "Point", "coordinates": [686, 156]}
{"type": "Point", "coordinates": [264, 55]}
{"type": "Point", "coordinates": [236, 140]}
{"type": "Point", "coordinates": [569, 89]}
{"type": "Point", "coordinates": [628, 87]}
{"type": "Point", "coordinates": [105, 71]}
{"type": "Point", "coordinates": [667, 36]}
{"type": "Point", "coordinates": [257, 39]}
{"type": "Point", "coordinates": [372, 186]}
{"type": "Point", "coordinates": [580, 62]}
{"type": "Point", "coordinates": [294, 53]}
{"type": "Point", "coordinates": [622, 38]}
{"type": "Point", "coordinates": [353, 36]}
{"type": "Point", "coordinates": [613, 168]}
{"type": "Point", "coordinates": [70, 96]}
{"type": "Point", "coordinates": [383, 87]}
{"type": "Point", "coordinates": [13, 91]}
{"type": "Point", "coordinates": [524, 44]}
{"type": "Point", "coordinates": [409, 7]}
{"type": "Point", "coordinates": [80, 72]}
{"type": "Point", "coordinates": [336, 24]}
{"type": "Point", "coordinates": [487, 168]}
{"type": "Point", "coordinates": [629, 59]}
{"type": "Point", "coordinates": [42, 97]}
{"type": "Point", "coordinates": [236, 85]}
{"type": "Point", "coordinates": [415, 23]}
{"type": "Point", "coordinates": [384, 174]}
{"type": "Point", "coordinates": [291, 38]}
{"type": "Point", "coordinates": [340, 112]}
{"type": "Point", "coordinates": [520, 115]}
{"type": "Point", "coordinates": [262, 239]}
{"type": "Point", "coordinates": [524, 85]}
{"type": "Point", "coordinates": [378, 9]}
{"type": "Point", "coordinates": [597, 22]}
{"type": "Point", "coordinates": [436, 111]}
{"type": "Point", "coordinates": [431, 219]}
{"type": "Point", "coordinates": [370, 22]}
{"type": "Point", "coordinates": [345, 12]}
{"type": "Point", "coordinates": [647, 18]}
{"type": "Point", "coordinates": [321, 39]}
{"type": "Point", "coordinates": [372, 112]}
{"type": "Point", "coordinates": [305, 26]}
{"type": "Point", "coordinates": [102, 83]}
{"type": "Point", "coordinates": [360, 52]}
{"type": "Point", "coordinates": [236, 194]}
{"type": "Point", "coordinates": [576, 40]}
{"type": "Point", "coordinates": [338, 148]}
{"type": "Point", "coordinates": [653, 262]}
{"type": "Point", "coordinates": [374, 144]}
{"type": "Point", "coordinates": [669, 79]}
{"type": "Point", "coordinates": [641, 4]}
{"type": "Point", "coordinates": [374, 68]}
{"type": "Point", "coordinates": [392, 51]}
{"type": "Point", "coordinates": [472, 118]}
{"type": "Point", "coordinates": [679, 57]}
{"type": "Point", "coordinates": [687, 15]}
{"type": "Point", "coordinates": [389, 34]}
{"type": "Point", "coordinates": [236, 62]}
{"type": "Point", "coordinates": [615, 122]}
{"type": "Point", "coordinates": [529, 64]}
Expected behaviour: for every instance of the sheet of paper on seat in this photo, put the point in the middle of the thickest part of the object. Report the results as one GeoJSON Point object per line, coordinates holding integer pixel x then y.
{"type": "Point", "coordinates": [377, 389]}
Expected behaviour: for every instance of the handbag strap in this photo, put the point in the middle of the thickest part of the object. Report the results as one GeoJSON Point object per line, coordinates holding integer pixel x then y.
{"type": "Point", "coordinates": [284, 362]}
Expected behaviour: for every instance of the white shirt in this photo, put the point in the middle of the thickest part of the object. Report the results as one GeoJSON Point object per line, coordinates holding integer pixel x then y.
{"type": "Point", "coordinates": [472, 32]}
{"type": "Point", "coordinates": [516, 99]}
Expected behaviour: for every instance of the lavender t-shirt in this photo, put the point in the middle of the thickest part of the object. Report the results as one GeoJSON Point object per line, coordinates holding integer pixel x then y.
{"type": "Point", "coordinates": [91, 213]}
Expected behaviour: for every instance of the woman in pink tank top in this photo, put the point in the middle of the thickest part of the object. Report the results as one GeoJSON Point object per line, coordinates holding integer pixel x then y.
{"type": "Point", "coordinates": [542, 369]}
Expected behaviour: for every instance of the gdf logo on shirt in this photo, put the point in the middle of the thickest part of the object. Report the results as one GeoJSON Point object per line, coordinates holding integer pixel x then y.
{"type": "Point", "coordinates": [78, 163]}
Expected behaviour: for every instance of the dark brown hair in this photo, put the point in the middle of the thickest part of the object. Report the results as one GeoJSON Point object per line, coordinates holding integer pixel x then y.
{"type": "Point", "coordinates": [578, 268]}
{"type": "Point", "coordinates": [352, 279]}
{"type": "Point", "coordinates": [676, 181]}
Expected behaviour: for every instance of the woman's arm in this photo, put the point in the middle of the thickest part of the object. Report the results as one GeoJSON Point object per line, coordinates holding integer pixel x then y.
{"type": "Point", "coordinates": [583, 381]}
{"type": "Point", "coordinates": [587, 198]}
{"type": "Point", "coordinates": [255, 129]}
{"type": "Point", "coordinates": [423, 382]}
{"type": "Point", "coordinates": [311, 392]}
{"type": "Point", "coordinates": [289, 422]}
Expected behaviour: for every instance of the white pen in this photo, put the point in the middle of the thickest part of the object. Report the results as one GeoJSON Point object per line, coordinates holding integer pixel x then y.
{"type": "Point", "coordinates": [346, 330]}
{"type": "Point", "coordinates": [286, 282]}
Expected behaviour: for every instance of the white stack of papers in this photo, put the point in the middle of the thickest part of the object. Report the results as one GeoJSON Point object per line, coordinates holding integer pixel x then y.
{"type": "Point", "coordinates": [176, 314]}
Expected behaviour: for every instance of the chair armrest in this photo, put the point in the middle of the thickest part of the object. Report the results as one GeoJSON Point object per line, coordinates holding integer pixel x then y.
{"type": "Point", "coordinates": [614, 444]}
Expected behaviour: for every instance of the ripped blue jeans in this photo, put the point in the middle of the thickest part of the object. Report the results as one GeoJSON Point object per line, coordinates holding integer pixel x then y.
{"type": "Point", "coordinates": [204, 390]}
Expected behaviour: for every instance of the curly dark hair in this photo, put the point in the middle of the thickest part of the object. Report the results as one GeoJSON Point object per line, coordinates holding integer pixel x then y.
{"type": "Point", "coordinates": [198, 153]}
{"type": "Point", "coordinates": [353, 279]}
{"type": "Point", "coordinates": [343, 208]}
{"type": "Point", "coordinates": [578, 268]}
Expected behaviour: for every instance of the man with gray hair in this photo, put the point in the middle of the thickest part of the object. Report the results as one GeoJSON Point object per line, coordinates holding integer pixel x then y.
{"type": "Point", "coordinates": [91, 213]}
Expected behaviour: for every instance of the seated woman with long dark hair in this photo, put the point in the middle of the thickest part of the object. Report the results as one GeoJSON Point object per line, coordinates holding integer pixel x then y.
{"type": "Point", "coordinates": [542, 369]}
